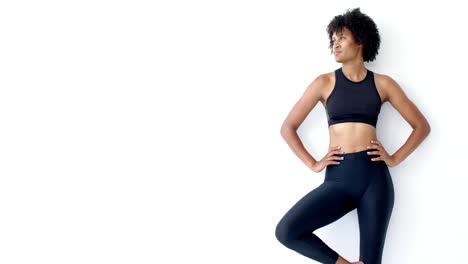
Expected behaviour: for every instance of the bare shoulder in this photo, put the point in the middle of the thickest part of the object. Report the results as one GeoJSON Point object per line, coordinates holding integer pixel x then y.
{"type": "Point", "coordinates": [400, 101]}
{"type": "Point", "coordinates": [392, 91]}
{"type": "Point", "coordinates": [329, 76]}
{"type": "Point", "coordinates": [312, 94]}
{"type": "Point", "coordinates": [386, 86]}
{"type": "Point", "coordinates": [320, 84]}
{"type": "Point", "coordinates": [328, 85]}
{"type": "Point", "coordinates": [326, 77]}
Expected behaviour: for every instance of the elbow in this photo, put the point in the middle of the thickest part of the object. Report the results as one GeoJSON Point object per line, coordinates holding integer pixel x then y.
{"type": "Point", "coordinates": [424, 127]}
{"type": "Point", "coordinates": [428, 130]}
{"type": "Point", "coordinates": [283, 130]}
{"type": "Point", "coordinates": [427, 127]}
{"type": "Point", "coordinates": [286, 129]}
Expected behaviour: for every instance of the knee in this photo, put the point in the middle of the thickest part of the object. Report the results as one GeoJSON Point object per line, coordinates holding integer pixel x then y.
{"type": "Point", "coordinates": [283, 233]}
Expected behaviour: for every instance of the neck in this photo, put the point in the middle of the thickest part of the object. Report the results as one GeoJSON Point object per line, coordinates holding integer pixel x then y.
{"type": "Point", "coordinates": [354, 71]}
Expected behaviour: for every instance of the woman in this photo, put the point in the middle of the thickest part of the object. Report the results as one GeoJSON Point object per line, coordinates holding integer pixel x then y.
{"type": "Point", "coordinates": [356, 174]}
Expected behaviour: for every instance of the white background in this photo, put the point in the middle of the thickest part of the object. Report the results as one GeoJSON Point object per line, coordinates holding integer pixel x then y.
{"type": "Point", "coordinates": [149, 132]}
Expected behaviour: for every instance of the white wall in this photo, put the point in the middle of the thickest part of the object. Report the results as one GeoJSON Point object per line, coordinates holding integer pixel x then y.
{"type": "Point", "coordinates": [143, 132]}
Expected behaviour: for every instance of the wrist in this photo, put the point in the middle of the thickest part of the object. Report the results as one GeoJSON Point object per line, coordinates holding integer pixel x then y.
{"type": "Point", "coordinates": [395, 160]}
{"type": "Point", "coordinates": [311, 164]}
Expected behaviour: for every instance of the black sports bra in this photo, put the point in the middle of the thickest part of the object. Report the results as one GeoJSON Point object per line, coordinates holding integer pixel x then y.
{"type": "Point", "coordinates": [353, 101]}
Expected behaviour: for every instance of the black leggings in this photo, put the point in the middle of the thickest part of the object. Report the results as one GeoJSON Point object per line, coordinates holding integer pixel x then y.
{"type": "Point", "coordinates": [357, 182]}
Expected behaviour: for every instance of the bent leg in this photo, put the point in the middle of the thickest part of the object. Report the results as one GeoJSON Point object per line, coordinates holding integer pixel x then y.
{"type": "Point", "coordinates": [321, 206]}
{"type": "Point", "coordinates": [374, 212]}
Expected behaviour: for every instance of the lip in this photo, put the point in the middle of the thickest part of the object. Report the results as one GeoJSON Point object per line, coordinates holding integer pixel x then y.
{"type": "Point", "coordinates": [337, 52]}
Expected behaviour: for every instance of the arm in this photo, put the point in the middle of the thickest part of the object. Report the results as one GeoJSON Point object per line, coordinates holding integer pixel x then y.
{"type": "Point", "coordinates": [297, 115]}
{"type": "Point", "coordinates": [410, 113]}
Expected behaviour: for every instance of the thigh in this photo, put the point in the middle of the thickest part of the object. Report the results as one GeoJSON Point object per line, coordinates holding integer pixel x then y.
{"type": "Point", "coordinates": [374, 212]}
{"type": "Point", "coordinates": [321, 206]}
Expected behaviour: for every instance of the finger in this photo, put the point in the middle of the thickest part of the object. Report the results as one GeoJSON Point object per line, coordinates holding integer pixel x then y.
{"type": "Point", "coordinates": [333, 152]}
{"type": "Point", "coordinates": [374, 146]}
{"type": "Point", "coordinates": [376, 142]}
{"type": "Point", "coordinates": [376, 159]}
{"type": "Point", "coordinates": [338, 152]}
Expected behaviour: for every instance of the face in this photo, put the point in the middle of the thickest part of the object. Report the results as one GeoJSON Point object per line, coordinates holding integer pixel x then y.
{"type": "Point", "coordinates": [344, 46]}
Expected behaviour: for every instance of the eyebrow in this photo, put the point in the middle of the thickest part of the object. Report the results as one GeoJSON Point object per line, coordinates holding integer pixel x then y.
{"type": "Point", "coordinates": [339, 34]}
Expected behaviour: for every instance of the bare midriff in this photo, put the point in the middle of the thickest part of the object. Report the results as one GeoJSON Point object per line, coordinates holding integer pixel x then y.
{"type": "Point", "coordinates": [351, 136]}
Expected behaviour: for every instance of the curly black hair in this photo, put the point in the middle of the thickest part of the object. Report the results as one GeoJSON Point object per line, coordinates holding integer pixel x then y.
{"type": "Point", "coordinates": [363, 28]}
